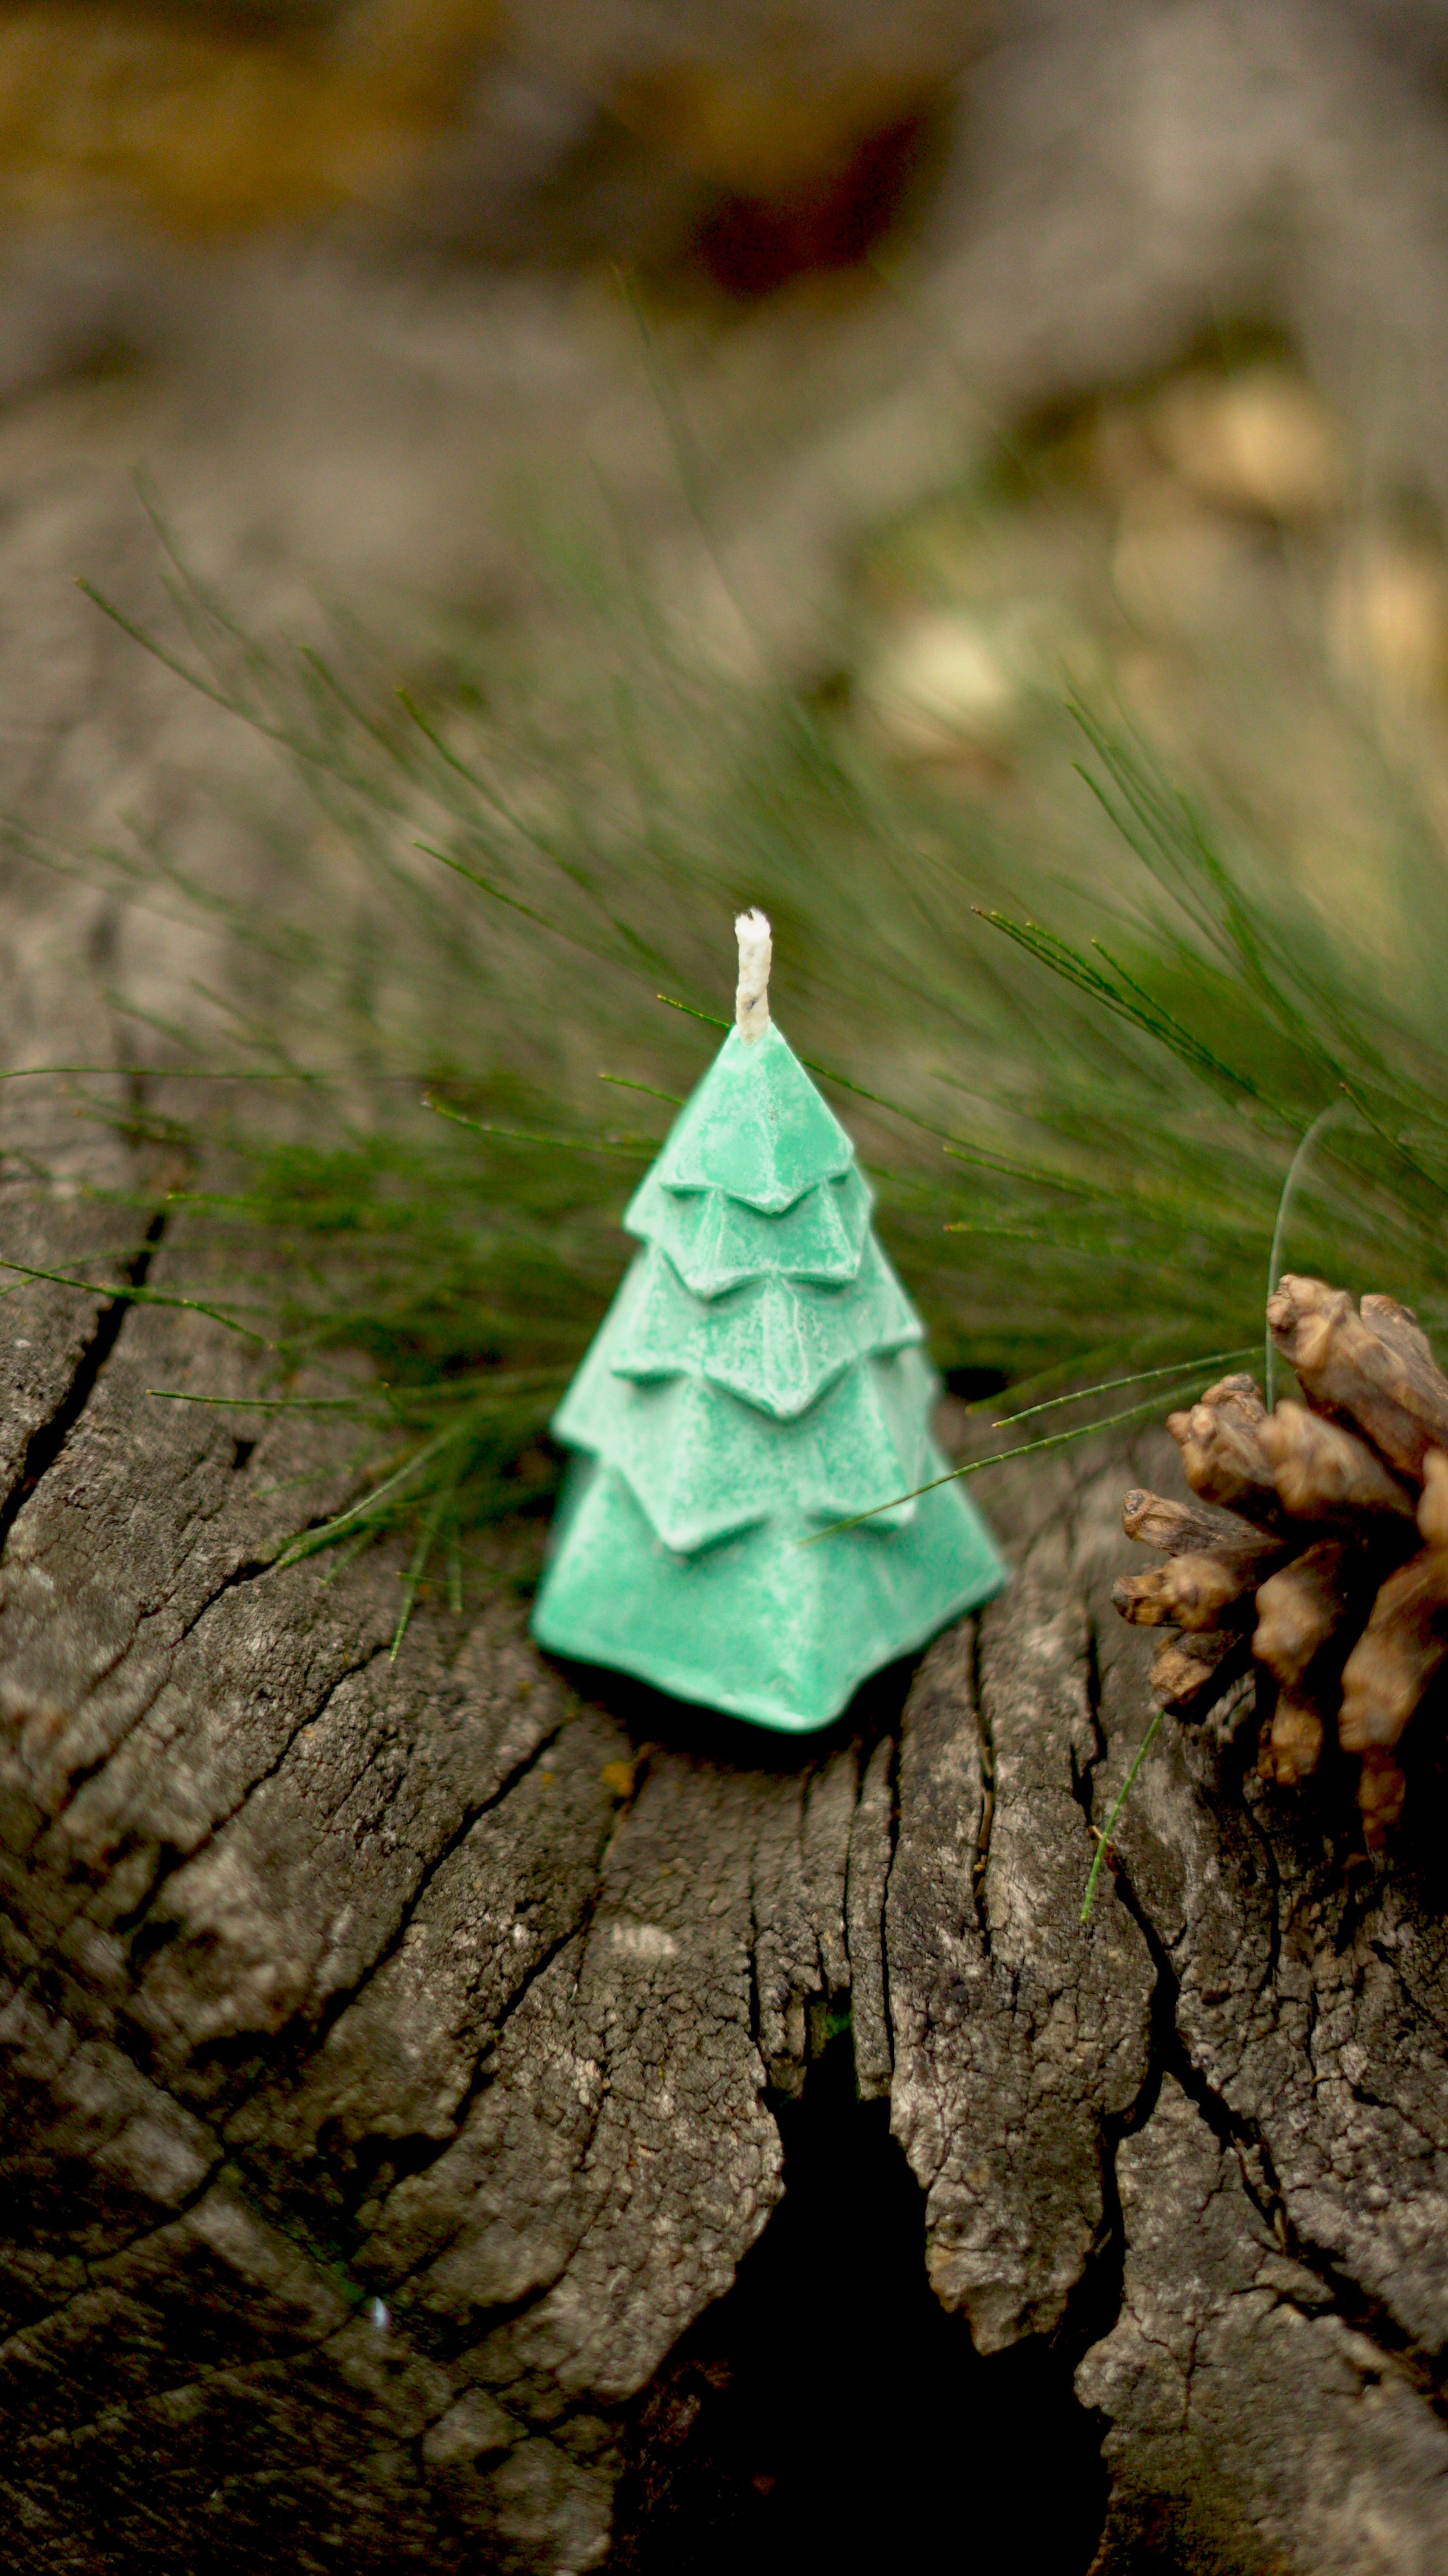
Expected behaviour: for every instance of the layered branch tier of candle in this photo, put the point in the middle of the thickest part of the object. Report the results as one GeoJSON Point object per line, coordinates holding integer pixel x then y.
{"type": "Point", "coordinates": [759, 1379]}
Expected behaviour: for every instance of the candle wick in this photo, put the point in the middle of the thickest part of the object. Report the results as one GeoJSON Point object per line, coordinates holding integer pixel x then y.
{"type": "Point", "coordinates": [751, 1001]}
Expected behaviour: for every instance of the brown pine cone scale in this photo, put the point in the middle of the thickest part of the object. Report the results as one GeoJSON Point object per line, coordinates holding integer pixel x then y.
{"type": "Point", "coordinates": [1301, 1609]}
{"type": "Point", "coordinates": [1184, 1529]}
{"type": "Point", "coordinates": [1224, 1460]}
{"type": "Point", "coordinates": [1294, 1742]}
{"type": "Point", "coordinates": [1189, 1592]}
{"type": "Point", "coordinates": [1323, 1472]}
{"type": "Point", "coordinates": [1373, 1369]}
{"type": "Point", "coordinates": [1190, 1671]}
{"type": "Point", "coordinates": [1322, 1529]}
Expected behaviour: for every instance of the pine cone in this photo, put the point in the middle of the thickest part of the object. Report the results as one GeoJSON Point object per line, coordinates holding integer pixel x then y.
{"type": "Point", "coordinates": [1318, 1546]}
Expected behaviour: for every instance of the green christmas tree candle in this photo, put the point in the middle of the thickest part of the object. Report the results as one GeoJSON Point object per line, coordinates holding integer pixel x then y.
{"type": "Point", "coordinates": [759, 1378]}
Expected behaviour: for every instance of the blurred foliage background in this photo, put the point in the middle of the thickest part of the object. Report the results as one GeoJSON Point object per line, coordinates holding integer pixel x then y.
{"type": "Point", "coordinates": [610, 467]}
{"type": "Point", "coordinates": [209, 115]}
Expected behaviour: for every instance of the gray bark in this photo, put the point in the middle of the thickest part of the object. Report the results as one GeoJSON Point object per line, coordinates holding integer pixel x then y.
{"type": "Point", "coordinates": [393, 2052]}
{"type": "Point", "coordinates": [391, 2049]}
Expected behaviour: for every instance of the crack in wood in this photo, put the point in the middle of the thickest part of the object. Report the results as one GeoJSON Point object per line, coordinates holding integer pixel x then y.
{"type": "Point", "coordinates": [535, 1978]}
{"type": "Point", "coordinates": [1425, 2370]}
{"type": "Point", "coordinates": [49, 1438]}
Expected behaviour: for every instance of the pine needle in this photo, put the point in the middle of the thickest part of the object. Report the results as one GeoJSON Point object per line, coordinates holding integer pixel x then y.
{"type": "Point", "coordinates": [1104, 1843]}
{"type": "Point", "coordinates": [1088, 1139]}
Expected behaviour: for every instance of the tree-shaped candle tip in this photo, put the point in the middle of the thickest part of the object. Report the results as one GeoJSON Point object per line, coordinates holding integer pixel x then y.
{"type": "Point", "coordinates": [759, 1379]}
{"type": "Point", "coordinates": [756, 950]}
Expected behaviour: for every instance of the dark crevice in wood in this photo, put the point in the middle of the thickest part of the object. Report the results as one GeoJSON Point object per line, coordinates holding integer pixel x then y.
{"type": "Point", "coordinates": [828, 2412]}
{"type": "Point", "coordinates": [986, 1738]}
{"type": "Point", "coordinates": [49, 1438]}
{"type": "Point", "coordinates": [892, 1836]}
{"type": "Point", "coordinates": [756, 2017]}
{"type": "Point", "coordinates": [1083, 1774]}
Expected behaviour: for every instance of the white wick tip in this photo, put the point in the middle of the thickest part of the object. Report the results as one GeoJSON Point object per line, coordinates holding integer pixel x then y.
{"type": "Point", "coordinates": [756, 951]}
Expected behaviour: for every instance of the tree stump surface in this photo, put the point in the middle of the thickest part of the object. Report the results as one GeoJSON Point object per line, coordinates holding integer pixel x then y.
{"type": "Point", "coordinates": [400, 2059]}
{"type": "Point", "coordinates": [396, 2052]}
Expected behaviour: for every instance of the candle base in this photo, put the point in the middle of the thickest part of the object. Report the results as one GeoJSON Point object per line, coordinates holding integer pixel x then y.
{"type": "Point", "coordinates": [759, 1626]}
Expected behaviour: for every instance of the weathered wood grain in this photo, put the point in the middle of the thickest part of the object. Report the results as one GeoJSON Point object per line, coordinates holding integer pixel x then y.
{"type": "Point", "coordinates": [1252, 2424]}
{"type": "Point", "coordinates": [391, 2047]}
{"type": "Point", "coordinates": [1022, 2038]}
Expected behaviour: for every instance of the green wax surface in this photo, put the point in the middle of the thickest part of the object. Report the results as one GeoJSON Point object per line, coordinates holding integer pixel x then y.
{"type": "Point", "coordinates": [759, 1626]}
{"type": "Point", "coordinates": [759, 1377]}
